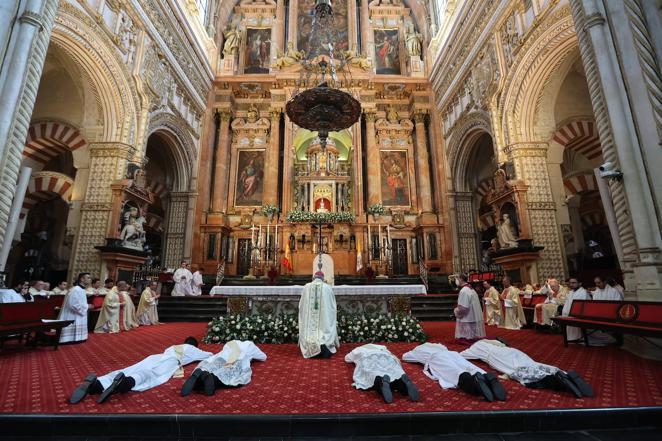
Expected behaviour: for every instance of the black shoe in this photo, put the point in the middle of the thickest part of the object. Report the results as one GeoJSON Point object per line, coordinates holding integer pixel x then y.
{"type": "Point", "coordinates": [208, 381]}
{"type": "Point", "coordinates": [407, 387]}
{"type": "Point", "coordinates": [83, 389]}
{"type": "Point", "coordinates": [191, 382]}
{"type": "Point", "coordinates": [499, 339]}
{"type": "Point", "coordinates": [482, 386]}
{"type": "Point", "coordinates": [326, 353]}
{"type": "Point", "coordinates": [112, 388]}
{"type": "Point", "coordinates": [585, 388]}
{"type": "Point", "coordinates": [383, 385]}
{"type": "Point", "coordinates": [498, 390]}
{"type": "Point", "coordinates": [564, 380]}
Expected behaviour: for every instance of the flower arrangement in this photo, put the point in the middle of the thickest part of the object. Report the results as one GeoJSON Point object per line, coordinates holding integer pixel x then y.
{"type": "Point", "coordinates": [352, 328]}
{"type": "Point", "coordinates": [269, 210]}
{"type": "Point", "coordinates": [298, 216]}
{"type": "Point", "coordinates": [376, 209]}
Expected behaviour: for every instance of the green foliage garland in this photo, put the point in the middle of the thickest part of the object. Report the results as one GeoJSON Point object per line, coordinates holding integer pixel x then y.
{"type": "Point", "coordinates": [298, 216]}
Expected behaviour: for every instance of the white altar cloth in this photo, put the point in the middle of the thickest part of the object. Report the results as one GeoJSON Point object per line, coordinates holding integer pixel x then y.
{"type": "Point", "coordinates": [338, 290]}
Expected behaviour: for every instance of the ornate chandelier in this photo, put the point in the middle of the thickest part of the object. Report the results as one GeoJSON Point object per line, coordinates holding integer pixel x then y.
{"type": "Point", "coordinates": [322, 106]}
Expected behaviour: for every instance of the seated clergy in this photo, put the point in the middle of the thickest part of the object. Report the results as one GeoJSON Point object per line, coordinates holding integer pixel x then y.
{"type": "Point", "coordinates": [230, 367]}
{"type": "Point", "coordinates": [574, 334]}
{"type": "Point", "coordinates": [556, 295]}
{"type": "Point", "coordinates": [318, 333]}
{"type": "Point", "coordinates": [36, 290]}
{"type": "Point", "coordinates": [468, 313]}
{"type": "Point", "coordinates": [603, 291]}
{"type": "Point", "coordinates": [129, 317]}
{"type": "Point", "coordinates": [109, 316]}
{"type": "Point", "coordinates": [452, 371]}
{"type": "Point", "coordinates": [94, 289]}
{"type": "Point", "coordinates": [513, 312]}
{"type": "Point", "coordinates": [377, 368]}
{"type": "Point", "coordinates": [152, 371]}
{"type": "Point", "coordinates": [61, 289]}
{"type": "Point", "coordinates": [12, 296]}
{"type": "Point", "coordinates": [74, 307]}
{"type": "Point", "coordinates": [147, 313]}
{"type": "Point", "coordinates": [518, 366]}
{"type": "Point", "coordinates": [492, 304]}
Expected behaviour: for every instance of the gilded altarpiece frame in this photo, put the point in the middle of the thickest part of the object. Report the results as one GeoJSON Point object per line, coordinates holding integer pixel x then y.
{"type": "Point", "coordinates": [387, 23]}
{"type": "Point", "coordinates": [257, 19]}
{"type": "Point", "coordinates": [394, 138]}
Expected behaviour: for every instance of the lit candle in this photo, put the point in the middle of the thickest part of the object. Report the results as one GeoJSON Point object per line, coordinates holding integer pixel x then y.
{"type": "Point", "coordinates": [259, 237]}
{"type": "Point", "coordinates": [276, 242]}
{"type": "Point", "coordinates": [388, 232]}
{"type": "Point", "coordinates": [253, 235]}
{"type": "Point", "coordinates": [268, 242]}
{"type": "Point", "coordinates": [381, 239]}
{"type": "Point", "coordinates": [369, 243]}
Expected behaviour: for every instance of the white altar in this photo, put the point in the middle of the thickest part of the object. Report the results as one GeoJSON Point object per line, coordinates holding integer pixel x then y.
{"type": "Point", "coordinates": [369, 299]}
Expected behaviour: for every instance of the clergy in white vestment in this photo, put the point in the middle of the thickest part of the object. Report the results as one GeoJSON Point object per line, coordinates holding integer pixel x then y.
{"type": "Point", "coordinates": [197, 283]}
{"type": "Point", "coordinates": [556, 296]}
{"type": "Point", "coordinates": [74, 307]}
{"type": "Point", "coordinates": [468, 313]}
{"type": "Point", "coordinates": [109, 316]}
{"type": "Point", "coordinates": [229, 368]}
{"type": "Point", "coordinates": [10, 296]}
{"type": "Point", "coordinates": [605, 292]}
{"type": "Point", "coordinates": [492, 304]}
{"type": "Point", "coordinates": [375, 367]}
{"type": "Point", "coordinates": [513, 312]}
{"type": "Point", "coordinates": [147, 313]}
{"type": "Point", "coordinates": [61, 289]}
{"type": "Point", "coordinates": [518, 366]}
{"type": "Point", "coordinates": [152, 371]}
{"type": "Point", "coordinates": [129, 317]}
{"type": "Point", "coordinates": [37, 290]}
{"type": "Point", "coordinates": [182, 279]}
{"type": "Point", "coordinates": [318, 333]}
{"type": "Point", "coordinates": [577, 292]}
{"type": "Point", "coordinates": [451, 371]}
{"type": "Point", "coordinates": [94, 288]}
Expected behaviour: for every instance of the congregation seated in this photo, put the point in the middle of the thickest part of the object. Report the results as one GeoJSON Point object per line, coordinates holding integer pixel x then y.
{"type": "Point", "coordinates": [61, 289]}
{"type": "Point", "coordinates": [14, 295]}
{"type": "Point", "coordinates": [553, 301]}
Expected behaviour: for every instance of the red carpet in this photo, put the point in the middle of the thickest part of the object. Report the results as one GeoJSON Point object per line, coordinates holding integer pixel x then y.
{"type": "Point", "coordinates": [40, 381]}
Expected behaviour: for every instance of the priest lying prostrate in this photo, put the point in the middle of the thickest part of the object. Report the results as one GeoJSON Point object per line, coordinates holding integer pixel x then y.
{"type": "Point", "coordinates": [153, 371]}
{"type": "Point", "coordinates": [111, 312]}
{"type": "Point", "coordinates": [468, 313]}
{"type": "Point", "coordinates": [492, 304]}
{"type": "Point", "coordinates": [513, 312]}
{"type": "Point", "coordinates": [377, 368]}
{"type": "Point", "coordinates": [182, 279]}
{"type": "Point", "coordinates": [518, 366]}
{"type": "Point", "coordinates": [318, 334]}
{"type": "Point", "coordinates": [229, 368]}
{"type": "Point", "coordinates": [452, 371]}
{"type": "Point", "coordinates": [74, 307]}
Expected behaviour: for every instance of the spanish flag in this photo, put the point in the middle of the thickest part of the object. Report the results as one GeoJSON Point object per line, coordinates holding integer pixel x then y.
{"type": "Point", "coordinates": [359, 257]}
{"type": "Point", "coordinates": [287, 263]}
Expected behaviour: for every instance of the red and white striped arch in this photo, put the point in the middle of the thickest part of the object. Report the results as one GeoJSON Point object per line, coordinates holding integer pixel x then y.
{"type": "Point", "coordinates": [580, 136]}
{"type": "Point", "coordinates": [483, 188]}
{"type": "Point", "coordinates": [159, 189]}
{"type": "Point", "coordinates": [155, 222]}
{"type": "Point", "coordinates": [46, 140]}
{"type": "Point", "coordinates": [580, 184]}
{"type": "Point", "coordinates": [592, 219]}
{"type": "Point", "coordinates": [44, 186]}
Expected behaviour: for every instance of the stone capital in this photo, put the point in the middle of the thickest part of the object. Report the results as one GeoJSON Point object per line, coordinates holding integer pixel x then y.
{"type": "Point", "coordinates": [370, 116]}
{"type": "Point", "coordinates": [275, 114]}
{"type": "Point", "coordinates": [111, 150]}
{"type": "Point", "coordinates": [419, 116]}
{"type": "Point", "coordinates": [527, 149]}
{"type": "Point", "coordinates": [226, 115]}
{"type": "Point", "coordinates": [33, 19]}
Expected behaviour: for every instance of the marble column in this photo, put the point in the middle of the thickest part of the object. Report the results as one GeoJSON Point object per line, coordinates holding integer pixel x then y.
{"type": "Point", "coordinates": [374, 168]}
{"type": "Point", "coordinates": [23, 47]}
{"type": "Point", "coordinates": [222, 168]}
{"type": "Point", "coordinates": [530, 159]}
{"type": "Point", "coordinates": [367, 37]}
{"type": "Point", "coordinates": [271, 166]}
{"type": "Point", "coordinates": [108, 162]}
{"type": "Point", "coordinates": [422, 162]}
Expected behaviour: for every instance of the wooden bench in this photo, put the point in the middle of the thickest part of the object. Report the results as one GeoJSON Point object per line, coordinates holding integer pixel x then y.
{"type": "Point", "coordinates": [529, 306]}
{"type": "Point", "coordinates": [26, 319]}
{"type": "Point", "coordinates": [620, 317]}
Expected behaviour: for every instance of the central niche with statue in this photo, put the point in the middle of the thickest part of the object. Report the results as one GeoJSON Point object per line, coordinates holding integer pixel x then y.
{"type": "Point", "coordinates": [323, 176]}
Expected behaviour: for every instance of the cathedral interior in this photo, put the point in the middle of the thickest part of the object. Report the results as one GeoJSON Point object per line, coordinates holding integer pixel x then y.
{"type": "Point", "coordinates": [483, 128]}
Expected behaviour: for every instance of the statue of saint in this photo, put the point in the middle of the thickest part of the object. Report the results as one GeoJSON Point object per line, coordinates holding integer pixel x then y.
{"type": "Point", "coordinates": [289, 58]}
{"type": "Point", "coordinates": [253, 114]}
{"type": "Point", "coordinates": [322, 208]}
{"type": "Point", "coordinates": [353, 58]}
{"type": "Point", "coordinates": [506, 233]}
{"type": "Point", "coordinates": [232, 40]}
{"type": "Point", "coordinates": [413, 41]}
{"type": "Point", "coordinates": [392, 115]}
{"type": "Point", "coordinates": [133, 233]}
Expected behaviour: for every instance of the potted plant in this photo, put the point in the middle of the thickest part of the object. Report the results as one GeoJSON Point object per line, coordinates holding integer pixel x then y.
{"type": "Point", "coordinates": [376, 210]}
{"type": "Point", "coordinates": [269, 210]}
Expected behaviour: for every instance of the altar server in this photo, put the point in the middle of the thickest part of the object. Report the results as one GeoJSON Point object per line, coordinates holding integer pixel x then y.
{"type": "Point", "coordinates": [492, 304]}
{"type": "Point", "coordinates": [377, 368]}
{"type": "Point", "coordinates": [109, 317]}
{"type": "Point", "coordinates": [468, 313]}
{"type": "Point", "coordinates": [197, 283]}
{"type": "Point", "coordinates": [230, 367]}
{"type": "Point", "coordinates": [147, 313]}
{"type": "Point", "coordinates": [182, 279]}
{"type": "Point", "coordinates": [318, 334]}
{"type": "Point", "coordinates": [129, 317]}
{"type": "Point", "coordinates": [577, 292]}
{"type": "Point", "coordinates": [513, 312]}
{"type": "Point", "coordinates": [74, 307]}
{"type": "Point", "coordinates": [518, 366]}
{"type": "Point", "coordinates": [152, 371]}
{"type": "Point", "coordinates": [452, 371]}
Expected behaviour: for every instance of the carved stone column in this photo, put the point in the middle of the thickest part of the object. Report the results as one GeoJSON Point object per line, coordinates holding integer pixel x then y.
{"type": "Point", "coordinates": [107, 163]}
{"type": "Point", "coordinates": [176, 228]}
{"type": "Point", "coordinates": [422, 165]}
{"type": "Point", "coordinates": [374, 169]}
{"type": "Point", "coordinates": [222, 169]}
{"type": "Point", "coordinates": [271, 166]}
{"type": "Point", "coordinates": [531, 165]}
{"type": "Point", "coordinates": [466, 231]}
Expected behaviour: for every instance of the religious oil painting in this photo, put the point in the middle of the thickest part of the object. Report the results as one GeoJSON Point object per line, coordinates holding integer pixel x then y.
{"type": "Point", "coordinates": [258, 50]}
{"type": "Point", "coordinates": [305, 15]}
{"type": "Point", "coordinates": [387, 51]}
{"type": "Point", "coordinates": [250, 178]}
{"type": "Point", "coordinates": [395, 178]}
